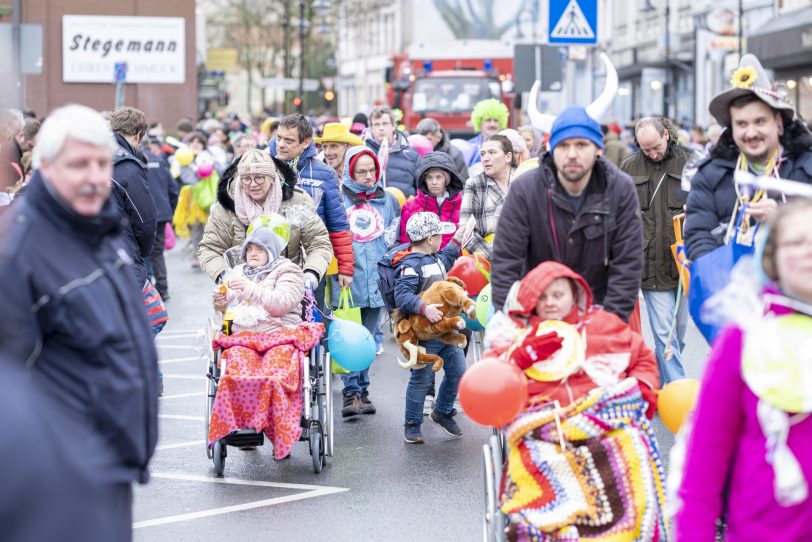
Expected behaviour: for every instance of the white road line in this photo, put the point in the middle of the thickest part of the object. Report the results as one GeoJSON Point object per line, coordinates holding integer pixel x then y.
{"type": "Point", "coordinates": [180, 445]}
{"type": "Point", "coordinates": [185, 377]}
{"type": "Point", "coordinates": [179, 360]}
{"type": "Point", "coordinates": [175, 347]}
{"type": "Point", "coordinates": [176, 336]}
{"type": "Point", "coordinates": [314, 491]}
{"type": "Point", "coordinates": [179, 417]}
{"type": "Point", "coordinates": [179, 395]}
{"type": "Point", "coordinates": [179, 331]}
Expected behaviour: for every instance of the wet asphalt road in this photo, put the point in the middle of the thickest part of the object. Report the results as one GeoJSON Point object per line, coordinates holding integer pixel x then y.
{"type": "Point", "coordinates": [375, 487]}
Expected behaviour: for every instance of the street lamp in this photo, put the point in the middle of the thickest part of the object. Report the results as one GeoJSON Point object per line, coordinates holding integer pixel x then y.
{"type": "Point", "coordinates": [319, 7]}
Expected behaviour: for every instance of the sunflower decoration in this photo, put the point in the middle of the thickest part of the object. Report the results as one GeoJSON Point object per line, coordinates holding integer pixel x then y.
{"type": "Point", "coordinates": [744, 77]}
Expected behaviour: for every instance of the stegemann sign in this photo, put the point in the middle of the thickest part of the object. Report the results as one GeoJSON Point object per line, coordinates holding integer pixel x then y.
{"type": "Point", "coordinates": [154, 48]}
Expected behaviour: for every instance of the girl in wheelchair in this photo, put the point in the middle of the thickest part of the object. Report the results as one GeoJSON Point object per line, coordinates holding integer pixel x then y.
{"type": "Point", "coordinates": [260, 387]}
{"type": "Point", "coordinates": [582, 462]}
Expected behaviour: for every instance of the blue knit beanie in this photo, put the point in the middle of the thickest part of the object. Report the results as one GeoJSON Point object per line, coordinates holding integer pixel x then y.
{"type": "Point", "coordinates": [574, 122]}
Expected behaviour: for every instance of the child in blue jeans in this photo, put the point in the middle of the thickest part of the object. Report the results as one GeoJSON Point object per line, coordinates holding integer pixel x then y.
{"type": "Point", "coordinates": [420, 266]}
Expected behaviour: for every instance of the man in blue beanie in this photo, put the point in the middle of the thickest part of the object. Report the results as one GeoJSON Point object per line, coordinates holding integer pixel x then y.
{"type": "Point", "coordinates": [578, 209]}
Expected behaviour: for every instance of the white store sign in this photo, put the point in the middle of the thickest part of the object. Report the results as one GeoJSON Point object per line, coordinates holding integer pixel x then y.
{"type": "Point", "coordinates": [154, 48]}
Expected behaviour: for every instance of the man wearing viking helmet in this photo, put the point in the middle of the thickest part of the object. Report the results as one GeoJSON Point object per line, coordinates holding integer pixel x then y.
{"type": "Point", "coordinates": [762, 135]}
{"type": "Point", "coordinates": [575, 208]}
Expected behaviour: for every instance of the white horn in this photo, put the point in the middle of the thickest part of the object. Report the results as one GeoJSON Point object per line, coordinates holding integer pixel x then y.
{"type": "Point", "coordinates": [598, 108]}
{"type": "Point", "coordinates": [540, 121]}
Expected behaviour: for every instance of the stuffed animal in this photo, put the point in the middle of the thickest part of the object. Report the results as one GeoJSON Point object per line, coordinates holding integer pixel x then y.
{"type": "Point", "coordinates": [410, 329]}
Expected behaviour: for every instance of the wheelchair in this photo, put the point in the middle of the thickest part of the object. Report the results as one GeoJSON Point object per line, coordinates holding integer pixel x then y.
{"type": "Point", "coordinates": [317, 408]}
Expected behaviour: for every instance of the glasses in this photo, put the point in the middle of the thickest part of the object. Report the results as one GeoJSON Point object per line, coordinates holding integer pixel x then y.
{"type": "Point", "coordinates": [364, 173]}
{"type": "Point", "coordinates": [259, 180]}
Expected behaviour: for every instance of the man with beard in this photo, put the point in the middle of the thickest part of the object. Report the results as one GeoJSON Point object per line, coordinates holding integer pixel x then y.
{"type": "Point", "coordinates": [578, 209]}
{"type": "Point", "coordinates": [762, 135]}
{"type": "Point", "coordinates": [335, 140]}
{"type": "Point", "coordinates": [657, 172]}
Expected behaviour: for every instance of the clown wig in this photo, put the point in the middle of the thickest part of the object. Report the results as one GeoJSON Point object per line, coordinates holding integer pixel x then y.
{"type": "Point", "coordinates": [489, 109]}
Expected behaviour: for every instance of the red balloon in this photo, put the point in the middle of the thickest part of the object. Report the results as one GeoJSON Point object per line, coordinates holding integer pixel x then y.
{"type": "Point", "coordinates": [469, 269]}
{"type": "Point", "coordinates": [493, 392]}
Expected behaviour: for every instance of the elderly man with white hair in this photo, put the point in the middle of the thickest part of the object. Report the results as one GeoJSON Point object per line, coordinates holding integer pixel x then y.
{"type": "Point", "coordinates": [75, 317]}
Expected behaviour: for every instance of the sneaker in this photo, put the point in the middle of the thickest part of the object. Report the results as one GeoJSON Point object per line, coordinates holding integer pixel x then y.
{"type": "Point", "coordinates": [412, 434]}
{"type": "Point", "coordinates": [428, 405]}
{"type": "Point", "coordinates": [352, 406]}
{"type": "Point", "coordinates": [380, 350]}
{"type": "Point", "coordinates": [446, 421]}
{"type": "Point", "coordinates": [366, 405]}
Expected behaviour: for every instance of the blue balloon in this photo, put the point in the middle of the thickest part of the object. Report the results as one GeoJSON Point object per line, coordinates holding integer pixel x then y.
{"type": "Point", "coordinates": [351, 345]}
{"type": "Point", "coordinates": [473, 325]}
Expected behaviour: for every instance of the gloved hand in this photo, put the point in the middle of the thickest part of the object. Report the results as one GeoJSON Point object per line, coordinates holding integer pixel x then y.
{"type": "Point", "coordinates": [536, 348]}
{"type": "Point", "coordinates": [650, 397]}
{"type": "Point", "coordinates": [311, 280]}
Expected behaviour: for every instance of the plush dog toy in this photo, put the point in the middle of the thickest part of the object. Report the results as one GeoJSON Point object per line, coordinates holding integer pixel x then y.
{"type": "Point", "coordinates": [410, 329]}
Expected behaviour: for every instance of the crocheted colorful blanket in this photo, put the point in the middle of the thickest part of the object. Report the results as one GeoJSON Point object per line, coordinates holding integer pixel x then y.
{"type": "Point", "coordinates": [607, 482]}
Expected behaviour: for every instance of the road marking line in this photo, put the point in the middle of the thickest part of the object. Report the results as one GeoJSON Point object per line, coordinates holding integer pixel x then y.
{"type": "Point", "coordinates": [184, 377]}
{"type": "Point", "coordinates": [181, 331]}
{"type": "Point", "coordinates": [180, 360]}
{"type": "Point", "coordinates": [180, 445]}
{"type": "Point", "coordinates": [176, 336]}
{"type": "Point", "coordinates": [180, 417]}
{"type": "Point", "coordinates": [179, 395]}
{"type": "Point", "coordinates": [314, 491]}
{"type": "Point", "coordinates": [174, 347]}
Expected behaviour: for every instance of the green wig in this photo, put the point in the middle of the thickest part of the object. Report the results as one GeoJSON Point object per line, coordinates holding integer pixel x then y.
{"type": "Point", "coordinates": [489, 109]}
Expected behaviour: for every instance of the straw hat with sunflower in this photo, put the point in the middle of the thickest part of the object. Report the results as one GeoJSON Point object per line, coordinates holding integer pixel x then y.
{"type": "Point", "coordinates": [749, 78]}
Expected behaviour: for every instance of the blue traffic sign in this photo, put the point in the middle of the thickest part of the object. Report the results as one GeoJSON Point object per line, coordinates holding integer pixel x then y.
{"type": "Point", "coordinates": [573, 22]}
{"type": "Point", "coordinates": [120, 74]}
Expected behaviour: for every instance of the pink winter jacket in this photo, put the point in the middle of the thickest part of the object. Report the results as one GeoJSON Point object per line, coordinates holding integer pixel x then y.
{"type": "Point", "coordinates": [449, 211]}
{"type": "Point", "coordinates": [280, 294]}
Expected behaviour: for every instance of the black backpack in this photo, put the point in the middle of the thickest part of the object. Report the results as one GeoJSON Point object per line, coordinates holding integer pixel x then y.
{"type": "Point", "coordinates": [387, 274]}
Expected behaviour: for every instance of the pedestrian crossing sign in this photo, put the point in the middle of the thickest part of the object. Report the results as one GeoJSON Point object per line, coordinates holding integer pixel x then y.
{"type": "Point", "coordinates": [573, 22]}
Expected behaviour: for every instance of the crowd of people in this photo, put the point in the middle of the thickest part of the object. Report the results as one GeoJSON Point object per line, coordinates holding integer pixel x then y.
{"type": "Point", "coordinates": [574, 221]}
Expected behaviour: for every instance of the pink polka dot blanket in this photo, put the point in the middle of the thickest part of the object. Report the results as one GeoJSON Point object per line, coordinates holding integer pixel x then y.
{"type": "Point", "coordinates": [605, 483]}
{"type": "Point", "coordinates": [262, 388]}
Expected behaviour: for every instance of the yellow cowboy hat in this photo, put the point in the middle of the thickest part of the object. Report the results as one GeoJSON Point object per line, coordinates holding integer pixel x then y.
{"type": "Point", "coordinates": [336, 132]}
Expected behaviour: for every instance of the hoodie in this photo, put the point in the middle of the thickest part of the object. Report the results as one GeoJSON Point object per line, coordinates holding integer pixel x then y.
{"type": "Point", "coordinates": [613, 351]}
{"type": "Point", "coordinates": [449, 209]}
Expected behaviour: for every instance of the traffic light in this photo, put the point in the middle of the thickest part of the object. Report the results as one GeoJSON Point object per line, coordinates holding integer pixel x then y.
{"type": "Point", "coordinates": [297, 102]}
{"type": "Point", "coordinates": [328, 96]}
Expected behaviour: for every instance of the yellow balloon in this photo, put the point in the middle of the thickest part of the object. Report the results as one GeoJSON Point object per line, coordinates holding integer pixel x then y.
{"type": "Point", "coordinates": [676, 400]}
{"type": "Point", "coordinates": [332, 269]}
{"type": "Point", "coordinates": [400, 196]}
{"type": "Point", "coordinates": [184, 156]}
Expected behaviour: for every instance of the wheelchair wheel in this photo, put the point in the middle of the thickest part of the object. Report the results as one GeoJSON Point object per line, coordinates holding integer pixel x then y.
{"type": "Point", "coordinates": [494, 521]}
{"type": "Point", "coordinates": [219, 453]}
{"type": "Point", "coordinates": [327, 422]}
{"type": "Point", "coordinates": [316, 447]}
{"type": "Point", "coordinates": [211, 392]}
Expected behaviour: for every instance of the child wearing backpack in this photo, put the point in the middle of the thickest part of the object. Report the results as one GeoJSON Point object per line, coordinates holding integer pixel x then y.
{"type": "Point", "coordinates": [418, 267]}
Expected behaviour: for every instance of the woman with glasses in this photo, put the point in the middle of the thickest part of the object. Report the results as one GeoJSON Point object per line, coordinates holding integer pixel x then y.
{"type": "Point", "coordinates": [262, 185]}
{"type": "Point", "coordinates": [485, 193]}
{"type": "Point", "coordinates": [374, 218]}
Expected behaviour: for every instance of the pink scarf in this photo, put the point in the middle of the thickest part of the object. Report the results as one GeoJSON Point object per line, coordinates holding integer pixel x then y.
{"type": "Point", "coordinates": [248, 209]}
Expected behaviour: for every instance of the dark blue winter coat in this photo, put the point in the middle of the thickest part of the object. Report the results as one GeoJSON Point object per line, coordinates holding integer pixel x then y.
{"type": "Point", "coordinates": [132, 197]}
{"type": "Point", "coordinates": [401, 166]}
{"type": "Point", "coordinates": [162, 186]}
{"type": "Point", "coordinates": [321, 183]}
{"type": "Point", "coordinates": [713, 195]}
{"type": "Point", "coordinates": [73, 314]}
{"type": "Point", "coordinates": [417, 271]}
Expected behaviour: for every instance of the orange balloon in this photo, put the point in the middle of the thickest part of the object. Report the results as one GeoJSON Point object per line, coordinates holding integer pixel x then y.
{"type": "Point", "coordinates": [676, 400]}
{"type": "Point", "coordinates": [493, 392]}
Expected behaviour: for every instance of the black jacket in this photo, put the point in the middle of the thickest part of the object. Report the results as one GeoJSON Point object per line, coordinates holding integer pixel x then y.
{"type": "Point", "coordinates": [132, 198]}
{"type": "Point", "coordinates": [459, 160]}
{"type": "Point", "coordinates": [77, 320]}
{"type": "Point", "coordinates": [713, 194]}
{"type": "Point", "coordinates": [162, 186]}
{"type": "Point", "coordinates": [603, 243]}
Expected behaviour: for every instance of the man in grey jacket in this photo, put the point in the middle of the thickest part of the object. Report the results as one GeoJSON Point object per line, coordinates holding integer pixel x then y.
{"type": "Point", "coordinates": [434, 132]}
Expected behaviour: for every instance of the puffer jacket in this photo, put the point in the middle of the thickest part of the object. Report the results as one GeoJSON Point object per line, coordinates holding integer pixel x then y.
{"type": "Point", "coordinates": [321, 184]}
{"type": "Point", "coordinates": [603, 243]}
{"type": "Point", "coordinates": [459, 159]}
{"type": "Point", "coordinates": [76, 318]}
{"type": "Point", "coordinates": [402, 164]}
{"type": "Point", "coordinates": [659, 190]}
{"type": "Point", "coordinates": [449, 210]}
{"type": "Point", "coordinates": [713, 195]}
{"type": "Point", "coordinates": [364, 289]}
{"type": "Point", "coordinates": [309, 245]}
{"type": "Point", "coordinates": [279, 293]}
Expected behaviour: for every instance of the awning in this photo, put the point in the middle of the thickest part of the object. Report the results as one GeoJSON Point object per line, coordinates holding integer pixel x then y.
{"type": "Point", "coordinates": [785, 41]}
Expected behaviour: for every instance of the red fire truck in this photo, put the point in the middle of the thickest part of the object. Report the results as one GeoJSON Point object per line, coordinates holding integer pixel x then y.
{"type": "Point", "coordinates": [447, 89]}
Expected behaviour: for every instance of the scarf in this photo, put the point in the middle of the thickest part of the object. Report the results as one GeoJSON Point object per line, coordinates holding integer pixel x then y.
{"type": "Point", "coordinates": [247, 209]}
{"type": "Point", "coordinates": [256, 274]}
